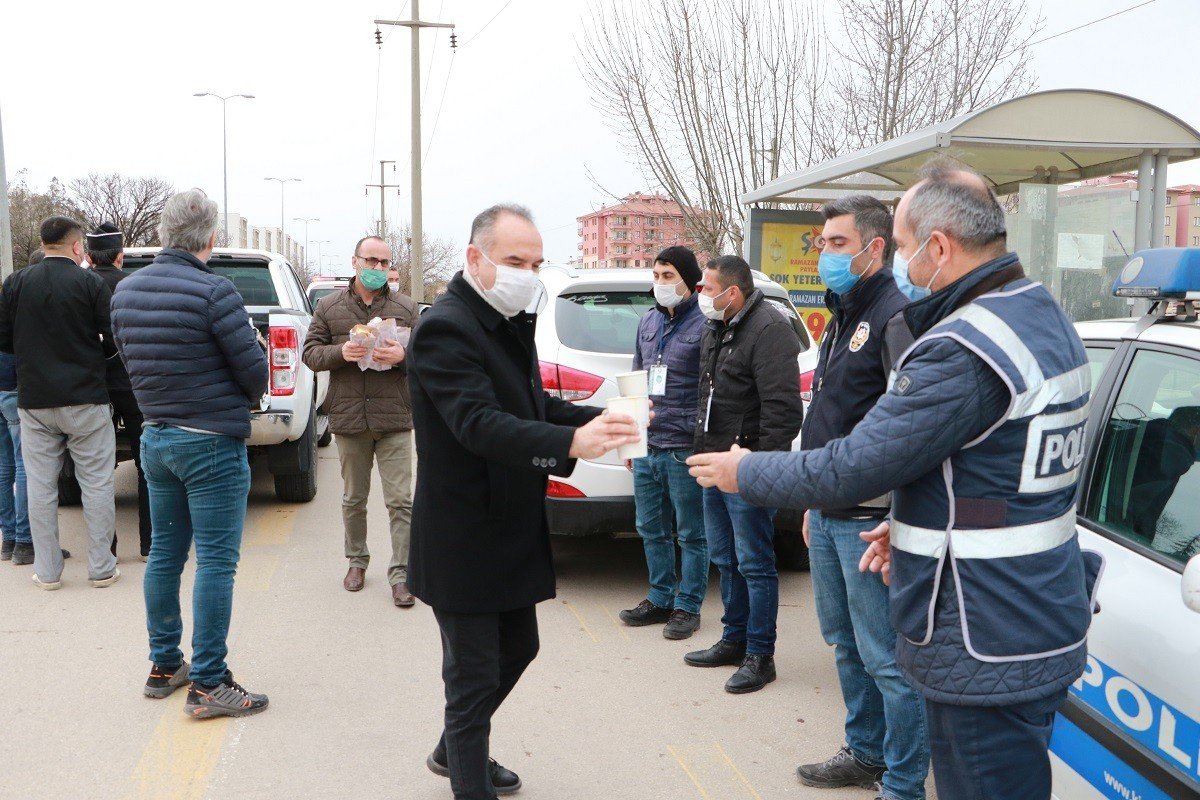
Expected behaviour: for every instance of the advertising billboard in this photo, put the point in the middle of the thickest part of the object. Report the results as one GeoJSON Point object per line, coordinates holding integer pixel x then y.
{"type": "Point", "coordinates": [782, 244]}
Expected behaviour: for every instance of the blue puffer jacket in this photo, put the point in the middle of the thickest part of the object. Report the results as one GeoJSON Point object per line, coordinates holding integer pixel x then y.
{"type": "Point", "coordinates": [674, 423]}
{"type": "Point", "coordinates": [186, 340]}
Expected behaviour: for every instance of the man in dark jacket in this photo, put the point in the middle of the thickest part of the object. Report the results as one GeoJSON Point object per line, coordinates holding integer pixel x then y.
{"type": "Point", "coordinates": [488, 436]}
{"type": "Point", "coordinates": [668, 348]}
{"type": "Point", "coordinates": [750, 397]}
{"type": "Point", "coordinates": [196, 367]}
{"type": "Point", "coordinates": [105, 254]}
{"type": "Point", "coordinates": [54, 317]}
{"type": "Point", "coordinates": [990, 593]}
{"type": "Point", "coordinates": [886, 737]}
{"type": "Point", "coordinates": [370, 412]}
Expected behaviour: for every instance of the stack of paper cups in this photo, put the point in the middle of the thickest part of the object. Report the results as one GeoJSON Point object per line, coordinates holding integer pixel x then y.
{"type": "Point", "coordinates": [633, 384]}
{"type": "Point", "coordinates": [639, 409]}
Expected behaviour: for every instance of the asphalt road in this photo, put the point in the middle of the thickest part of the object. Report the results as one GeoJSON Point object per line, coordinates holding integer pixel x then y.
{"type": "Point", "coordinates": [605, 712]}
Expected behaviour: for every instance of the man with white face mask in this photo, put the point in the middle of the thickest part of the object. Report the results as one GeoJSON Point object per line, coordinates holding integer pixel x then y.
{"type": "Point", "coordinates": [488, 436]}
{"type": "Point", "coordinates": [668, 348]}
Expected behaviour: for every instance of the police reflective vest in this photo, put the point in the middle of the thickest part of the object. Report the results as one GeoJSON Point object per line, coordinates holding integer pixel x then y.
{"type": "Point", "coordinates": [999, 518]}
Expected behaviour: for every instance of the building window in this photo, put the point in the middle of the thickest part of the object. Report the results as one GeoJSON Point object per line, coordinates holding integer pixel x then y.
{"type": "Point", "coordinates": [1168, 221]}
{"type": "Point", "coordinates": [1167, 240]}
{"type": "Point", "coordinates": [1196, 241]}
{"type": "Point", "coordinates": [622, 263]}
{"type": "Point", "coordinates": [1196, 222]}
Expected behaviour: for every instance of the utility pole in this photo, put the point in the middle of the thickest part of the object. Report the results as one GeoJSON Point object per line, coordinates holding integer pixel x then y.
{"type": "Point", "coordinates": [224, 156]}
{"type": "Point", "coordinates": [416, 275]}
{"type": "Point", "coordinates": [306, 220]}
{"type": "Point", "coordinates": [6, 253]}
{"type": "Point", "coordinates": [283, 182]}
{"type": "Point", "coordinates": [381, 186]}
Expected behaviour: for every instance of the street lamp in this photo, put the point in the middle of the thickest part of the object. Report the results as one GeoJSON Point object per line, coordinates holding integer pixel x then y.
{"type": "Point", "coordinates": [282, 182]}
{"type": "Point", "coordinates": [305, 220]}
{"type": "Point", "coordinates": [224, 153]}
{"type": "Point", "coordinates": [318, 243]}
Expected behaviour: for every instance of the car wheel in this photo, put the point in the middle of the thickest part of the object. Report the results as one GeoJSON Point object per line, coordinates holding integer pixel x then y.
{"type": "Point", "coordinates": [302, 486]}
{"type": "Point", "coordinates": [790, 552]}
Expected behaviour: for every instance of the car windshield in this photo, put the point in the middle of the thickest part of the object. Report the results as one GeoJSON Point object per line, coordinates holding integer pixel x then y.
{"type": "Point", "coordinates": [601, 321]}
{"type": "Point", "coordinates": [252, 279]}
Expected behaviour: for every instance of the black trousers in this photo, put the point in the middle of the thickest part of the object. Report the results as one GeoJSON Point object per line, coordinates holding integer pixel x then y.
{"type": "Point", "coordinates": [483, 656]}
{"type": "Point", "coordinates": [992, 753]}
{"type": "Point", "coordinates": [126, 411]}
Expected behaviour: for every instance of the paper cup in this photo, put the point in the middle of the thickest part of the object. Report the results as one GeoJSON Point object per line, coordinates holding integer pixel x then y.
{"type": "Point", "coordinates": [633, 384]}
{"type": "Point", "coordinates": [643, 413]}
{"type": "Point", "coordinates": [631, 407]}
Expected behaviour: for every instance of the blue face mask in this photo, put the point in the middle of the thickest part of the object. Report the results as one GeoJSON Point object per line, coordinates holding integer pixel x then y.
{"type": "Point", "coordinates": [837, 271]}
{"type": "Point", "coordinates": [900, 273]}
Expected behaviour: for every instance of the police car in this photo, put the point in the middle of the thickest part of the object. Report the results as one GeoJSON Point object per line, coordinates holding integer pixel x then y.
{"type": "Point", "coordinates": [1131, 725]}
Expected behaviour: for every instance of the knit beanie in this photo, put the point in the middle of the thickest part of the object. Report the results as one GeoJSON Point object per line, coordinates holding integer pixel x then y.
{"type": "Point", "coordinates": [684, 262]}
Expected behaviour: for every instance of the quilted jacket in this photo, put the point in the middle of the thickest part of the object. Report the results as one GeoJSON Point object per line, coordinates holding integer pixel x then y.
{"type": "Point", "coordinates": [945, 397]}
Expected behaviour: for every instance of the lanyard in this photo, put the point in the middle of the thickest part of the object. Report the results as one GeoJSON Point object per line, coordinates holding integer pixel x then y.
{"type": "Point", "coordinates": [664, 335]}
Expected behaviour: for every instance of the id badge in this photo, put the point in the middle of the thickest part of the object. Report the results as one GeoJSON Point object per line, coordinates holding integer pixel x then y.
{"type": "Point", "coordinates": [658, 379]}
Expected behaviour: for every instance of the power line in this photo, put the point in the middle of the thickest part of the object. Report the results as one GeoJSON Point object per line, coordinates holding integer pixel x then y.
{"type": "Point", "coordinates": [1093, 22]}
{"type": "Point", "coordinates": [493, 19]}
{"type": "Point", "coordinates": [432, 55]}
{"type": "Point", "coordinates": [399, 14]}
{"type": "Point", "coordinates": [437, 117]}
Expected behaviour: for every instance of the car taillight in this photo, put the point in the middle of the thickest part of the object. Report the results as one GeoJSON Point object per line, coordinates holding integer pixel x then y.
{"type": "Point", "coordinates": [567, 383]}
{"type": "Point", "coordinates": [284, 356]}
{"type": "Point", "coordinates": [559, 489]}
{"type": "Point", "coordinates": [806, 380]}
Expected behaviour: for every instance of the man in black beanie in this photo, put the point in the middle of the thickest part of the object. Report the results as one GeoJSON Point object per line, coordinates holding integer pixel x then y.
{"type": "Point", "coordinates": [105, 254]}
{"type": "Point", "coordinates": [668, 348]}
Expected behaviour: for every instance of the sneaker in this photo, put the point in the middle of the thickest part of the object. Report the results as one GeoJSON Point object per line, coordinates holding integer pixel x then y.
{"type": "Point", "coordinates": [646, 613]}
{"type": "Point", "coordinates": [504, 780]}
{"type": "Point", "coordinates": [842, 769]}
{"type": "Point", "coordinates": [49, 586]}
{"type": "Point", "coordinates": [681, 625]}
{"type": "Point", "coordinates": [6, 549]}
{"type": "Point", "coordinates": [755, 673]}
{"type": "Point", "coordinates": [226, 699]}
{"type": "Point", "coordinates": [22, 554]}
{"type": "Point", "coordinates": [100, 583]}
{"type": "Point", "coordinates": [163, 681]}
{"type": "Point", "coordinates": [721, 654]}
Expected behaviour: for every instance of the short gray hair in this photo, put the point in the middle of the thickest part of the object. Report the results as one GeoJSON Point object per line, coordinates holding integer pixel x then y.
{"type": "Point", "coordinates": [956, 200]}
{"type": "Point", "coordinates": [188, 221]}
{"type": "Point", "coordinates": [485, 221]}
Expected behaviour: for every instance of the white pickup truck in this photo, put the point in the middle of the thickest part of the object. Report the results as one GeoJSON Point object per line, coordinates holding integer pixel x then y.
{"type": "Point", "coordinates": [286, 427]}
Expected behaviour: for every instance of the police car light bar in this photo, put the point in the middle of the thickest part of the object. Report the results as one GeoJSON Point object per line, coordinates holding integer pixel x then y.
{"type": "Point", "coordinates": [1161, 273]}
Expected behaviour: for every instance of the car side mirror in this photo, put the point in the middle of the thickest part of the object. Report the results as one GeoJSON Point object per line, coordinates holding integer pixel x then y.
{"type": "Point", "coordinates": [1191, 584]}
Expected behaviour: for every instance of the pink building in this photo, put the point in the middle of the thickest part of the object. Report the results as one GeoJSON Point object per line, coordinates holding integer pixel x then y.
{"type": "Point", "coordinates": [631, 233]}
{"type": "Point", "coordinates": [1181, 226]}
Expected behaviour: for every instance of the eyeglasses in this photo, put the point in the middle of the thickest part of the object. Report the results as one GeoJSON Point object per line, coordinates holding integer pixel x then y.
{"type": "Point", "coordinates": [373, 262]}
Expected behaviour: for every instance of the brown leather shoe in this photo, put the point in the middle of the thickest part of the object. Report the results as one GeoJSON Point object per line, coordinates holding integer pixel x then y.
{"type": "Point", "coordinates": [355, 576]}
{"type": "Point", "coordinates": [402, 597]}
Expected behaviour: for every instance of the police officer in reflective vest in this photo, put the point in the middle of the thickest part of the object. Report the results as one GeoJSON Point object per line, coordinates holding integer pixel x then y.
{"type": "Point", "coordinates": [980, 436]}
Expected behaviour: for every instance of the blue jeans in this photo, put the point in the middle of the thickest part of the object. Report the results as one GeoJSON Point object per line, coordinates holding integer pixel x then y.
{"type": "Point", "coordinates": [198, 486]}
{"type": "Point", "coordinates": [995, 752]}
{"type": "Point", "coordinates": [885, 717]}
{"type": "Point", "coordinates": [14, 502]}
{"type": "Point", "coordinates": [661, 483]}
{"type": "Point", "coordinates": [741, 539]}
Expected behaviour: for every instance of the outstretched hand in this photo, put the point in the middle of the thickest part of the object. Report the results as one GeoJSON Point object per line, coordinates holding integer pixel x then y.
{"type": "Point", "coordinates": [717, 469]}
{"type": "Point", "coordinates": [878, 557]}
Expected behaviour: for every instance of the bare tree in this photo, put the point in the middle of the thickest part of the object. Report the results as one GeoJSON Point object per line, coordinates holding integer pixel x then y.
{"type": "Point", "coordinates": [907, 64]}
{"type": "Point", "coordinates": [439, 257]}
{"type": "Point", "coordinates": [134, 205]}
{"type": "Point", "coordinates": [712, 98]}
{"type": "Point", "coordinates": [28, 208]}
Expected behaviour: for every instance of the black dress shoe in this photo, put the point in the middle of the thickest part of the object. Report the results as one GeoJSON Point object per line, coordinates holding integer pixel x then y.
{"type": "Point", "coordinates": [646, 613]}
{"type": "Point", "coordinates": [504, 780]}
{"type": "Point", "coordinates": [6, 549]}
{"type": "Point", "coordinates": [755, 673]}
{"type": "Point", "coordinates": [721, 654]}
{"type": "Point", "coordinates": [842, 769]}
{"type": "Point", "coordinates": [22, 554]}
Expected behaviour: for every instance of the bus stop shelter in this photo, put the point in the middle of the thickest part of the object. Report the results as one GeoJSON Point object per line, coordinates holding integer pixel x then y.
{"type": "Point", "coordinates": [1025, 147]}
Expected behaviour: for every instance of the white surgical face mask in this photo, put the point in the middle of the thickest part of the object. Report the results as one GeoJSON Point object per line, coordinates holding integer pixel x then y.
{"type": "Point", "coordinates": [394, 285]}
{"type": "Point", "coordinates": [513, 290]}
{"type": "Point", "coordinates": [708, 306]}
{"type": "Point", "coordinates": [667, 294]}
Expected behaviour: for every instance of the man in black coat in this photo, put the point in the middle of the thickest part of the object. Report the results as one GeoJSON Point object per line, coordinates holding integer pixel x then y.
{"type": "Point", "coordinates": [106, 255]}
{"type": "Point", "coordinates": [487, 437]}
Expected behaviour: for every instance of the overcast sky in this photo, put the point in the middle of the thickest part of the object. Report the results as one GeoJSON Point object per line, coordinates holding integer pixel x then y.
{"type": "Point", "coordinates": [88, 86]}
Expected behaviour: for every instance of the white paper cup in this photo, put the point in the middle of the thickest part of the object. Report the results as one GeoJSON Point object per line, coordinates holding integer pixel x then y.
{"type": "Point", "coordinates": [633, 384]}
{"type": "Point", "coordinates": [643, 413]}
{"type": "Point", "coordinates": [631, 407]}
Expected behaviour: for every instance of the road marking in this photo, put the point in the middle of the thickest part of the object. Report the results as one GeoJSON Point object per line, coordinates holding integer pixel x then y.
{"type": "Point", "coordinates": [616, 624]}
{"type": "Point", "coordinates": [687, 771]}
{"type": "Point", "coordinates": [178, 762]}
{"type": "Point", "coordinates": [272, 527]}
{"type": "Point", "coordinates": [736, 771]}
{"type": "Point", "coordinates": [582, 623]}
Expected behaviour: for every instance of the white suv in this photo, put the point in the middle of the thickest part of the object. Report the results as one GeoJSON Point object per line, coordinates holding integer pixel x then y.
{"type": "Point", "coordinates": [1131, 726]}
{"type": "Point", "coordinates": [587, 327]}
